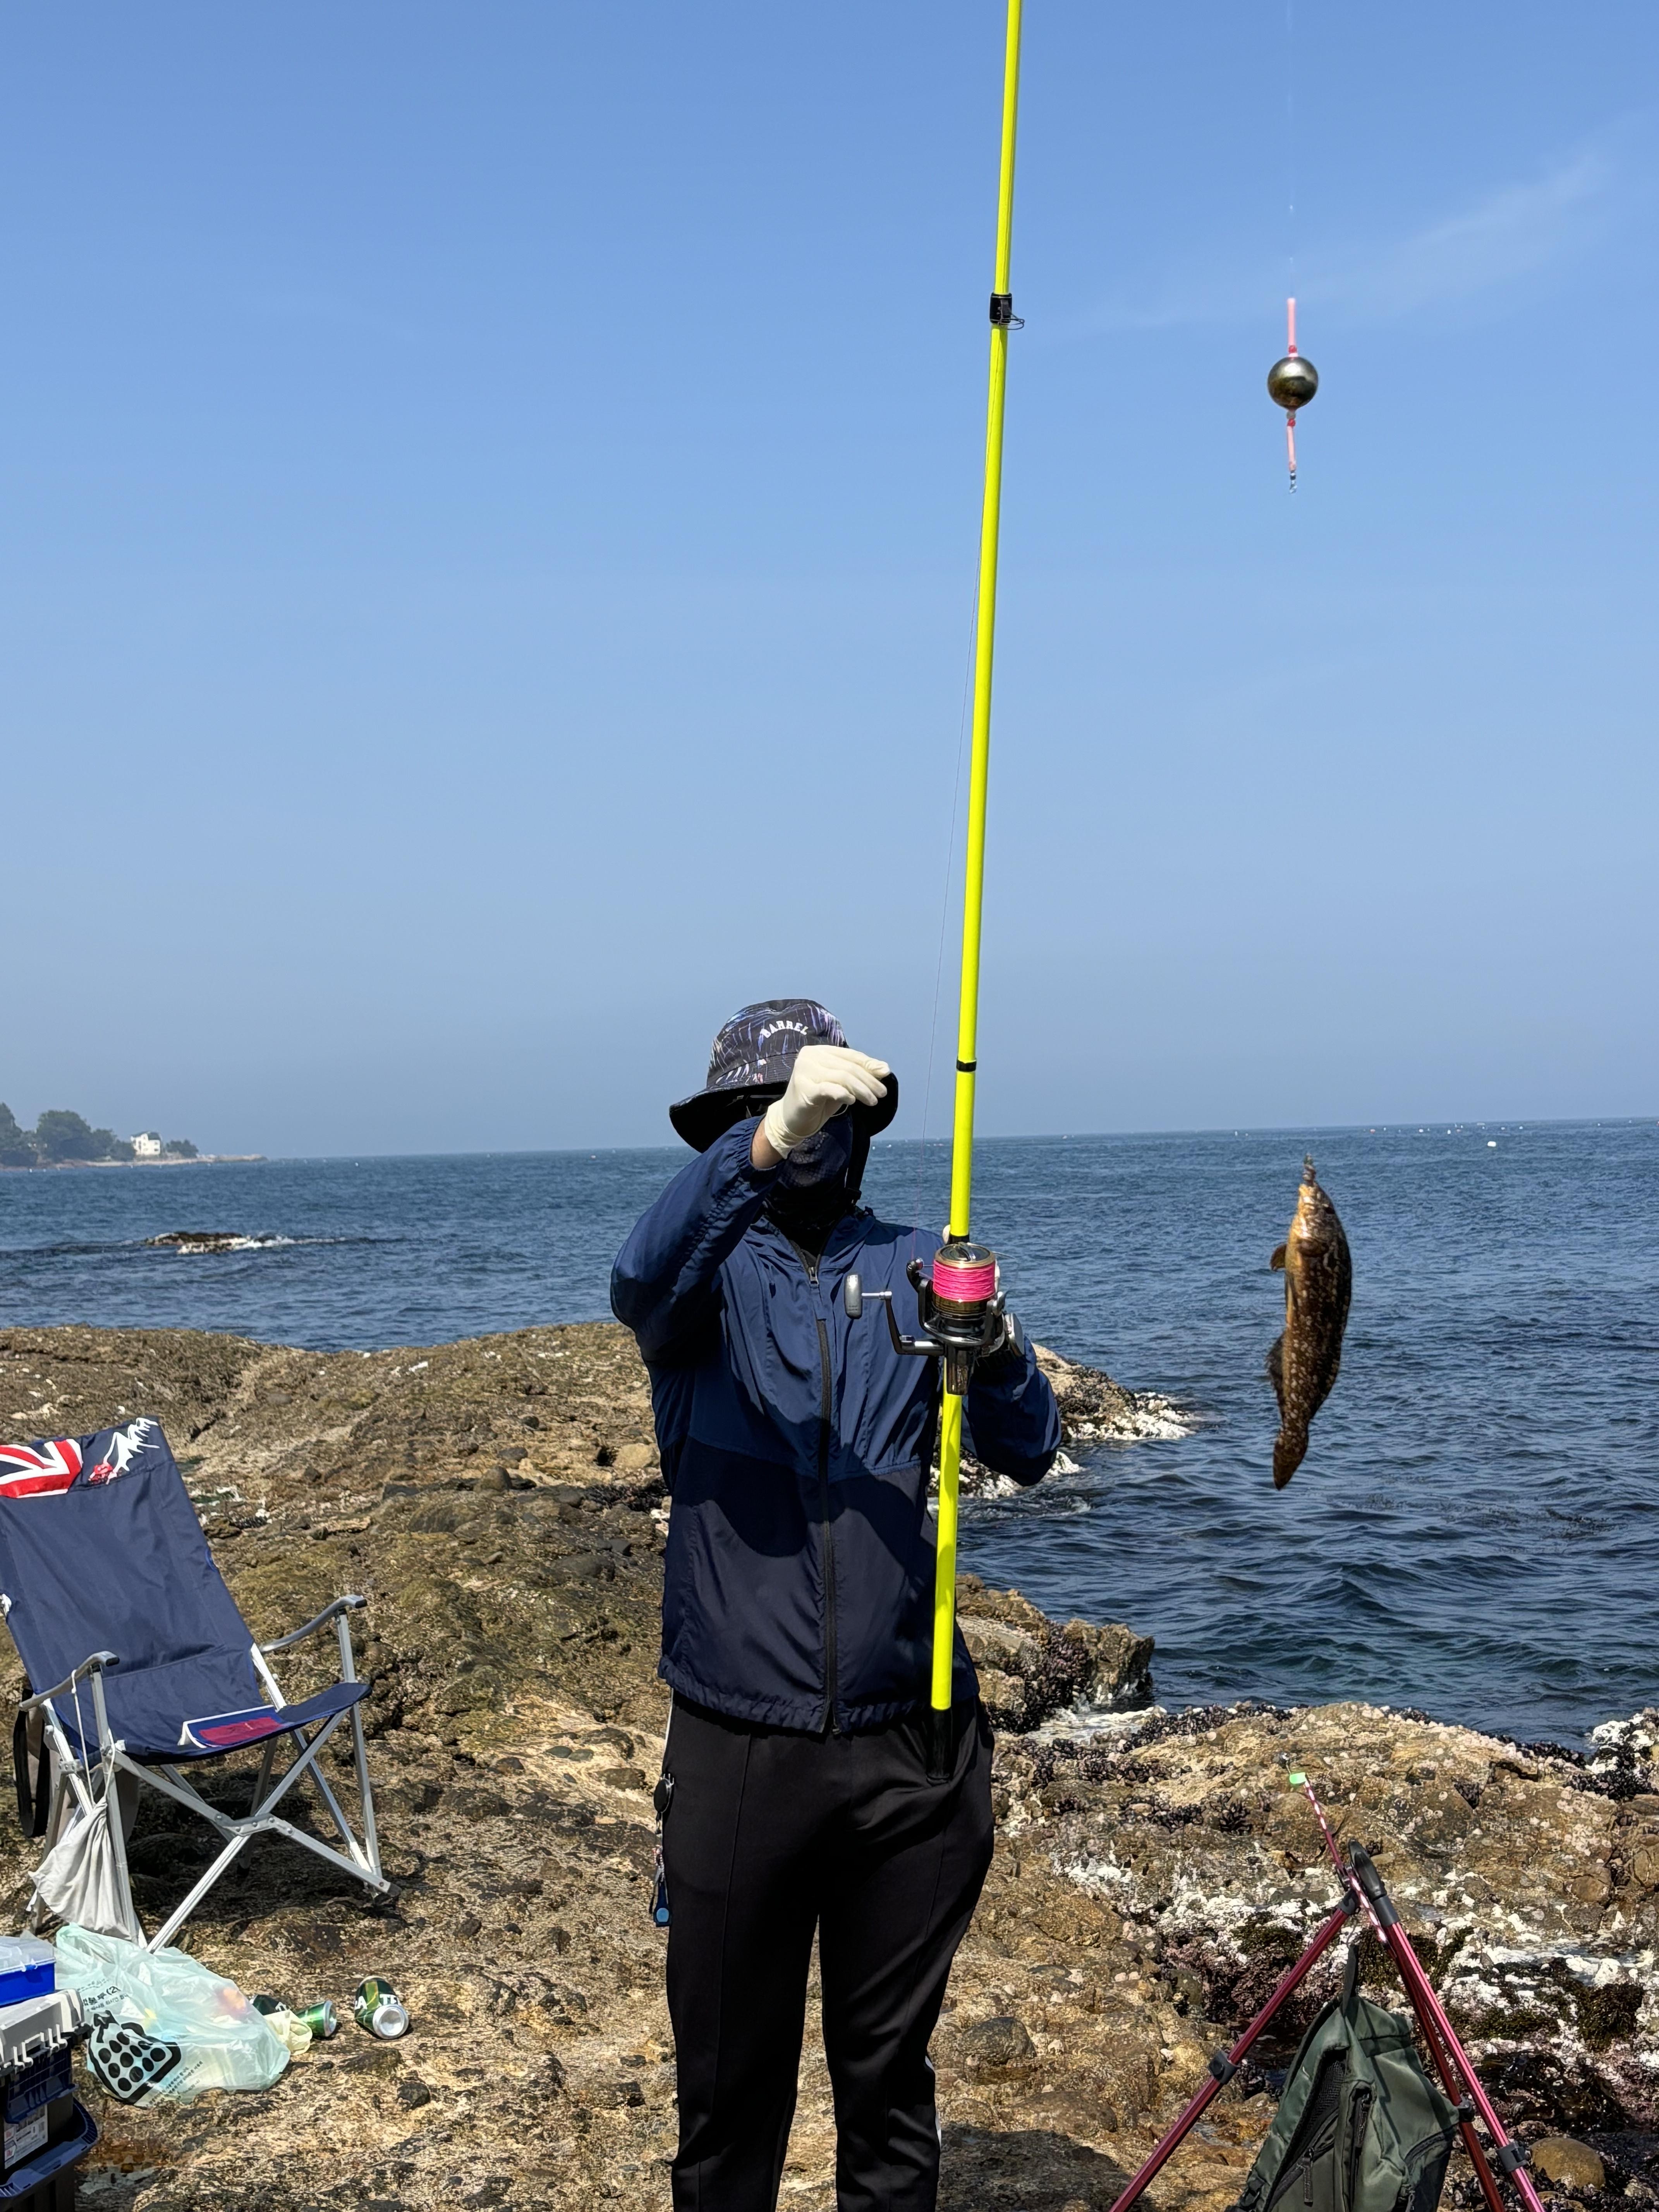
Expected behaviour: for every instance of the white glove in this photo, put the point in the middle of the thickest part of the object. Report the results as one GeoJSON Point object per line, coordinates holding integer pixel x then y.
{"type": "Point", "coordinates": [824, 1080]}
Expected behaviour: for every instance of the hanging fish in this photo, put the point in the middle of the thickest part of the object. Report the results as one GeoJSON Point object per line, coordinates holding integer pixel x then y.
{"type": "Point", "coordinates": [1292, 383]}
{"type": "Point", "coordinates": [1318, 1283]}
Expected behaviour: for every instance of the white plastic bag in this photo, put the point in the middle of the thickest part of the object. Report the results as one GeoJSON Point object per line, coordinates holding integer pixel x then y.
{"type": "Point", "coordinates": [164, 2028]}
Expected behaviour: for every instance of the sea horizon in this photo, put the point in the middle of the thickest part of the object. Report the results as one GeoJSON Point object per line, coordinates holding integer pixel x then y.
{"type": "Point", "coordinates": [1434, 1125]}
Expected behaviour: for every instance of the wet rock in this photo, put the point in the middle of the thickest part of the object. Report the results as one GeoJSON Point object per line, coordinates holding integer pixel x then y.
{"type": "Point", "coordinates": [1004, 2041]}
{"type": "Point", "coordinates": [1536, 2088]}
{"type": "Point", "coordinates": [619, 1739]}
{"type": "Point", "coordinates": [1031, 1668]}
{"type": "Point", "coordinates": [1094, 1408]}
{"type": "Point", "coordinates": [1573, 2164]}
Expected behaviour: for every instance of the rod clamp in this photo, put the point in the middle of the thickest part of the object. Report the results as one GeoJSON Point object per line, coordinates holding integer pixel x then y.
{"type": "Point", "coordinates": [1222, 2067]}
{"type": "Point", "coordinates": [1512, 2156]}
{"type": "Point", "coordinates": [1003, 316]}
{"type": "Point", "coordinates": [1370, 1881]}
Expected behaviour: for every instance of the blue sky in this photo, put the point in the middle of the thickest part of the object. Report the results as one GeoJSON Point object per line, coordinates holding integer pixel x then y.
{"type": "Point", "coordinates": [488, 499]}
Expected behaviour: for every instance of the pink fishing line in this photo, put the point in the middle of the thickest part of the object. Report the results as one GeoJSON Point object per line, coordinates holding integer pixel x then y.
{"type": "Point", "coordinates": [964, 1284]}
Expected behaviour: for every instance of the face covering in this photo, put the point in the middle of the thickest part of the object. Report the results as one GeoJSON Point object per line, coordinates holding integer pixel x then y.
{"type": "Point", "coordinates": [818, 1183]}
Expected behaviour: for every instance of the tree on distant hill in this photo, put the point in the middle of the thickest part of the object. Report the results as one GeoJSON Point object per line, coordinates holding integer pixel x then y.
{"type": "Point", "coordinates": [61, 1135]}
{"type": "Point", "coordinates": [16, 1150]}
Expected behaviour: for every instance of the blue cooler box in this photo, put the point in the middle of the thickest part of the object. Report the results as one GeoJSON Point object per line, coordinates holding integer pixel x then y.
{"type": "Point", "coordinates": [28, 1969]}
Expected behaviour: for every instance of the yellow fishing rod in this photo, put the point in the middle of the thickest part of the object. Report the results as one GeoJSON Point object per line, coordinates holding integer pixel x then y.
{"type": "Point", "coordinates": [960, 1305]}
{"type": "Point", "coordinates": [962, 1146]}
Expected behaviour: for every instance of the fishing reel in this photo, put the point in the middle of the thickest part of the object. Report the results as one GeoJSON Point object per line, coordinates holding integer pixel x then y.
{"type": "Point", "coordinates": [962, 1309]}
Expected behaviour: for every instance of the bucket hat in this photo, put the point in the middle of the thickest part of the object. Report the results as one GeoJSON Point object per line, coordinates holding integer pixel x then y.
{"type": "Point", "coordinates": [749, 1065]}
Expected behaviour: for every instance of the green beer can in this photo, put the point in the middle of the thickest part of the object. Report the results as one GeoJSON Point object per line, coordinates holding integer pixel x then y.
{"type": "Point", "coordinates": [378, 2007]}
{"type": "Point", "coordinates": [320, 2018]}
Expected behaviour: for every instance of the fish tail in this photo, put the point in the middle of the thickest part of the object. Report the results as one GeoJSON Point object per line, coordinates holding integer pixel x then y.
{"type": "Point", "coordinates": [1308, 1175]}
{"type": "Point", "coordinates": [1289, 1452]}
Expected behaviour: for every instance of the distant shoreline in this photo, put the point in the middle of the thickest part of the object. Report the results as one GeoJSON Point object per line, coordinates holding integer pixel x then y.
{"type": "Point", "coordinates": [201, 1160]}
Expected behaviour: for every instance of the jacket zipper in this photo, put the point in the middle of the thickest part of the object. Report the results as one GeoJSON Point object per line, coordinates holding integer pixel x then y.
{"type": "Point", "coordinates": [831, 1725]}
{"type": "Point", "coordinates": [830, 1720]}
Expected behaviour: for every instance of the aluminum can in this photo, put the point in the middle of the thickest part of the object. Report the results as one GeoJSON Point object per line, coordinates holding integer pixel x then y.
{"type": "Point", "coordinates": [321, 2019]}
{"type": "Point", "coordinates": [263, 2003]}
{"type": "Point", "coordinates": [378, 2007]}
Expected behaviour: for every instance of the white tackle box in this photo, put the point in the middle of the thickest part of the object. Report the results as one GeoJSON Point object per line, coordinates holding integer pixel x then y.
{"type": "Point", "coordinates": [37, 2025]}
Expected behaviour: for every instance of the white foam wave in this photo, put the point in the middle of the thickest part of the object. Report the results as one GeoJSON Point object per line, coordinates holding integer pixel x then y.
{"type": "Point", "coordinates": [190, 1246]}
{"type": "Point", "coordinates": [1147, 1418]}
{"type": "Point", "coordinates": [1096, 1719]}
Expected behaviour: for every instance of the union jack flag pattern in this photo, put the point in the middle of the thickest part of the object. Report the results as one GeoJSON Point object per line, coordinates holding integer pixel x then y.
{"type": "Point", "coordinates": [45, 1469]}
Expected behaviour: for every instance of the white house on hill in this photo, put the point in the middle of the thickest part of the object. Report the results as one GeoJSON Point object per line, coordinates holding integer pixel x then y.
{"type": "Point", "coordinates": [147, 1147]}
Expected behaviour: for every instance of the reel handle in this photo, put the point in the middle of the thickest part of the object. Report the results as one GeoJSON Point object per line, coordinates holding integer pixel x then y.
{"type": "Point", "coordinates": [852, 1298]}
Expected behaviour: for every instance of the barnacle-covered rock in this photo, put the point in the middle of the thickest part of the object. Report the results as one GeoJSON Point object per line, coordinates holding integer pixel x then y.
{"type": "Point", "coordinates": [498, 1501]}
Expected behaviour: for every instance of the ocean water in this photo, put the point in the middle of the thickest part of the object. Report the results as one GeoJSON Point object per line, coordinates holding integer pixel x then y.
{"type": "Point", "coordinates": [1474, 1532]}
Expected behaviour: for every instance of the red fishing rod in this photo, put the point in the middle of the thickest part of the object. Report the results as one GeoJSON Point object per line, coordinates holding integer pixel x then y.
{"type": "Point", "coordinates": [1365, 1891]}
{"type": "Point", "coordinates": [1225, 2065]}
{"type": "Point", "coordinates": [1463, 2084]}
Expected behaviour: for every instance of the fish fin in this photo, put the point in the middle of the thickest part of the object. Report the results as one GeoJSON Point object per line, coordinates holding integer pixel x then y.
{"type": "Point", "coordinates": [1308, 1175]}
{"type": "Point", "coordinates": [1278, 1259]}
{"type": "Point", "coordinates": [1289, 1452]}
{"type": "Point", "coordinates": [1276, 1369]}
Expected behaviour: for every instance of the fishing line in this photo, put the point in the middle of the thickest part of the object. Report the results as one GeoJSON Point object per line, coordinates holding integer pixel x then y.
{"type": "Point", "coordinates": [1290, 141]}
{"type": "Point", "coordinates": [1290, 212]}
{"type": "Point", "coordinates": [1292, 381]}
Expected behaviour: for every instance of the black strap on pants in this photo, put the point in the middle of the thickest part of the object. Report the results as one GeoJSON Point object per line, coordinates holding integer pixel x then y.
{"type": "Point", "coordinates": [769, 1835]}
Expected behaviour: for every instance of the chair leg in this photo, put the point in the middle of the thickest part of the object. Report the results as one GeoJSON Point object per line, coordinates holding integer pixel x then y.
{"type": "Point", "coordinates": [114, 1794]}
{"type": "Point", "coordinates": [263, 1783]}
{"type": "Point", "coordinates": [364, 1792]}
{"type": "Point", "coordinates": [341, 1822]}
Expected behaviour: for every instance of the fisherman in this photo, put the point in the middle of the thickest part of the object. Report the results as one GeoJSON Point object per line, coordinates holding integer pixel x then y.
{"type": "Point", "coordinates": [797, 1792]}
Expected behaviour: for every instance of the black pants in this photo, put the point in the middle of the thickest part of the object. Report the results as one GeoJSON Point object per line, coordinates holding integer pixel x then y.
{"type": "Point", "coordinates": [769, 1835]}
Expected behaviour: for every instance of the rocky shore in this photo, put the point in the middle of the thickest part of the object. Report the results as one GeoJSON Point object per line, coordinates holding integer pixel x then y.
{"type": "Point", "coordinates": [498, 1502]}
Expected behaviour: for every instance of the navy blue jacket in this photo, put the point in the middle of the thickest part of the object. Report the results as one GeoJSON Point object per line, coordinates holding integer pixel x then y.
{"type": "Point", "coordinates": [797, 1444]}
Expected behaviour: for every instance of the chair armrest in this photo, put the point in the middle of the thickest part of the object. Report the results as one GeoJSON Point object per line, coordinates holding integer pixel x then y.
{"type": "Point", "coordinates": [329, 1613]}
{"type": "Point", "coordinates": [95, 1665]}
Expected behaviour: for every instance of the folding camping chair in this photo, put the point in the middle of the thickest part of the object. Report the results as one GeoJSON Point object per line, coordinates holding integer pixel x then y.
{"type": "Point", "coordinates": [112, 1596]}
